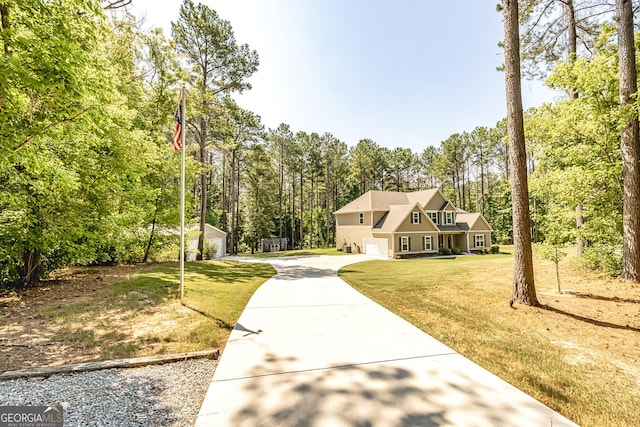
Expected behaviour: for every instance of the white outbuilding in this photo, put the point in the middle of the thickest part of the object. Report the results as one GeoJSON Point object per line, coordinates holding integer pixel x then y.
{"type": "Point", "coordinates": [215, 241]}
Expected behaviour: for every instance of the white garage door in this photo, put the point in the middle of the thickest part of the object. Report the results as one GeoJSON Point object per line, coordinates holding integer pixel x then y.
{"type": "Point", "coordinates": [376, 247]}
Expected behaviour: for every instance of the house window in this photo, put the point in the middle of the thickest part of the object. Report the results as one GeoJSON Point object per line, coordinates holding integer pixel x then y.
{"type": "Point", "coordinates": [428, 243]}
{"type": "Point", "coordinates": [404, 244]}
{"type": "Point", "coordinates": [415, 218]}
{"type": "Point", "coordinates": [479, 240]}
{"type": "Point", "coordinates": [361, 219]}
{"type": "Point", "coordinates": [448, 218]}
{"type": "Point", "coordinates": [433, 216]}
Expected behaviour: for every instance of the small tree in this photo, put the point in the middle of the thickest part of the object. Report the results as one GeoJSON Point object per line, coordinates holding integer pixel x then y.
{"type": "Point", "coordinates": [551, 252]}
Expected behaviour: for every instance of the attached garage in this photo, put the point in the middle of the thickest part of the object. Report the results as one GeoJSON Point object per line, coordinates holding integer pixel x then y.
{"type": "Point", "coordinates": [376, 246]}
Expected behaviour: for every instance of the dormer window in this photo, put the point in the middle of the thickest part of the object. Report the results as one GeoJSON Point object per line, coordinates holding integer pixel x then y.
{"type": "Point", "coordinates": [361, 218]}
{"type": "Point", "coordinates": [415, 218]}
{"type": "Point", "coordinates": [433, 216]}
{"type": "Point", "coordinates": [448, 218]}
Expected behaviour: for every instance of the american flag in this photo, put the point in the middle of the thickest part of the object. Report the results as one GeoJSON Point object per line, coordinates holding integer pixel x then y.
{"type": "Point", "coordinates": [177, 134]}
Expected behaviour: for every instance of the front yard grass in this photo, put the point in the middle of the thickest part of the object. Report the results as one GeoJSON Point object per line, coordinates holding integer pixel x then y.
{"type": "Point", "coordinates": [126, 311]}
{"type": "Point", "coordinates": [578, 354]}
{"type": "Point", "coordinates": [296, 252]}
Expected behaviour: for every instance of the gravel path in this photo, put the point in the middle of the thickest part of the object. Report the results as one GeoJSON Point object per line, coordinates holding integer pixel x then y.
{"type": "Point", "coordinates": [156, 395]}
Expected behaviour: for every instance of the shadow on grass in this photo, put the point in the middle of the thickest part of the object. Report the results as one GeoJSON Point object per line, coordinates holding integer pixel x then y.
{"type": "Point", "coordinates": [230, 272]}
{"type": "Point", "coordinates": [602, 298]}
{"type": "Point", "coordinates": [589, 320]}
{"type": "Point", "coordinates": [223, 324]}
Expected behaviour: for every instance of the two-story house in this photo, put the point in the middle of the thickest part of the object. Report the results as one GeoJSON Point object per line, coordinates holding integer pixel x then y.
{"type": "Point", "coordinates": [395, 224]}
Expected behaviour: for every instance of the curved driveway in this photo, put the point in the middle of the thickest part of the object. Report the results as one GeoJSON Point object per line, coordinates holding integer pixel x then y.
{"type": "Point", "coordinates": [309, 350]}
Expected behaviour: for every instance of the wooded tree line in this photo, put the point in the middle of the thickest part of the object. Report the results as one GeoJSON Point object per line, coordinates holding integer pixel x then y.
{"type": "Point", "coordinates": [89, 176]}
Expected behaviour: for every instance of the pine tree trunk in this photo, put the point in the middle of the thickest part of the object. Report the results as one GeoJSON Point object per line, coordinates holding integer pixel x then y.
{"type": "Point", "coordinates": [572, 38]}
{"type": "Point", "coordinates": [237, 201]}
{"type": "Point", "coordinates": [328, 205]}
{"type": "Point", "coordinates": [481, 179]}
{"type": "Point", "coordinates": [311, 207]}
{"type": "Point", "coordinates": [225, 198]}
{"type": "Point", "coordinates": [630, 144]}
{"type": "Point", "coordinates": [293, 211]}
{"type": "Point", "coordinates": [572, 49]}
{"type": "Point", "coordinates": [232, 210]}
{"type": "Point", "coordinates": [280, 194]}
{"type": "Point", "coordinates": [301, 210]}
{"type": "Point", "coordinates": [524, 290]}
{"type": "Point", "coordinates": [203, 187]}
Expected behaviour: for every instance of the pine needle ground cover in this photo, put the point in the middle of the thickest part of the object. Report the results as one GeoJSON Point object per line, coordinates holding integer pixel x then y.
{"type": "Point", "coordinates": [578, 354]}
{"type": "Point", "coordinates": [125, 311]}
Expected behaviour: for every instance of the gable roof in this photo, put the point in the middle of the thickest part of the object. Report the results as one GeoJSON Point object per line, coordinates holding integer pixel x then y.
{"type": "Point", "coordinates": [374, 201]}
{"type": "Point", "coordinates": [382, 200]}
{"type": "Point", "coordinates": [422, 197]}
{"type": "Point", "coordinates": [446, 204]}
{"type": "Point", "coordinates": [467, 221]}
{"type": "Point", "coordinates": [209, 231]}
{"type": "Point", "coordinates": [396, 215]}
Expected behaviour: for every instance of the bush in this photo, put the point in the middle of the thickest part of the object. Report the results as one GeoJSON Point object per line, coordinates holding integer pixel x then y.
{"type": "Point", "coordinates": [444, 251]}
{"type": "Point", "coordinates": [606, 259]}
{"type": "Point", "coordinates": [456, 251]}
{"type": "Point", "coordinates": [210, 249]}
{"type": "Point", "coordinates": [495, 249]}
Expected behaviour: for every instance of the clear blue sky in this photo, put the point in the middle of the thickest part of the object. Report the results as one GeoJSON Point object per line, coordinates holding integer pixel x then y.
{"type": "Point", "coordinates": [403, 73]}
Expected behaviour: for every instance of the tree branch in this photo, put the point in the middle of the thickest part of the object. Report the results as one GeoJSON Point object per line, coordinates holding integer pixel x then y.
{"type": "Point", "coordinates": [116, 4]}
{"type": "Point", "coordinates": [67, 120]}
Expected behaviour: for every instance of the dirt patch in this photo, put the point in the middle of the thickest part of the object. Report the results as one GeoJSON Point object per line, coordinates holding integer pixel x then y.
{"type": "Point", "coordinates": [29, 337]}
{"type": "Point", "coordinates": [597, 321]}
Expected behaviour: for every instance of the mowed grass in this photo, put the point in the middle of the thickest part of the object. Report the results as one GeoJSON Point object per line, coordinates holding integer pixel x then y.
{"type": "Point", "coordinates": [585, 368]}
{"type": "Point", "coordinates": [296, 252]}
{"type": "Point", "coordinates": [143, 315]}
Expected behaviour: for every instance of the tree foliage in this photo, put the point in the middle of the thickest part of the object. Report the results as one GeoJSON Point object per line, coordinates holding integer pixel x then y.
{"type": "Point", "coordinates": [87, 174]}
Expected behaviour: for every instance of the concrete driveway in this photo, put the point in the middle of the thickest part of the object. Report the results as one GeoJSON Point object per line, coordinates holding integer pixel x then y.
{"type": "Point", "coordinates": [309, 350]}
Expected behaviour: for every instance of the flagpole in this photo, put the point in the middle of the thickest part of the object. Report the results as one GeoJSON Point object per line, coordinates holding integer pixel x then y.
{"type": "Point", "coordinates": [183, 98]}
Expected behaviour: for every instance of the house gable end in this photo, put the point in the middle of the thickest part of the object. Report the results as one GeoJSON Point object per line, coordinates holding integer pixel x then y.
{"type": "Point", "coordinates": [481, 224]}
{"type": "Point", "coordinates": [435, 202]}
{"type": "Point", "coordinates": [405, 224]}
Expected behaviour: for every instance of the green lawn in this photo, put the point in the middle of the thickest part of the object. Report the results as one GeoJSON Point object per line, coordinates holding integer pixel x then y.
{"type": "Point", "coordinates": [297, 252]}
{"type": "Point", "coordinates": [560, 355]}
{"type": "Point", "coordinates": [143, 315]}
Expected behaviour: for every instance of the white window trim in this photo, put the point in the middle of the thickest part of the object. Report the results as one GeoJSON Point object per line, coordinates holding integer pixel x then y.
{"type": "Point", "coordinates": [415, 217]}
{"type": "Point", "coordinates": [361, 218]}
{"type": "Point", "coordinates": [476, 239]}
{"type": "Point", "coordinates": [404, 241]}
{"type": "Point", "coordinates": [435, 221]}
{"type": "Point", "coordinates": [424, 244]}
{"type": "Point", "coordinates": [449, 218]}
